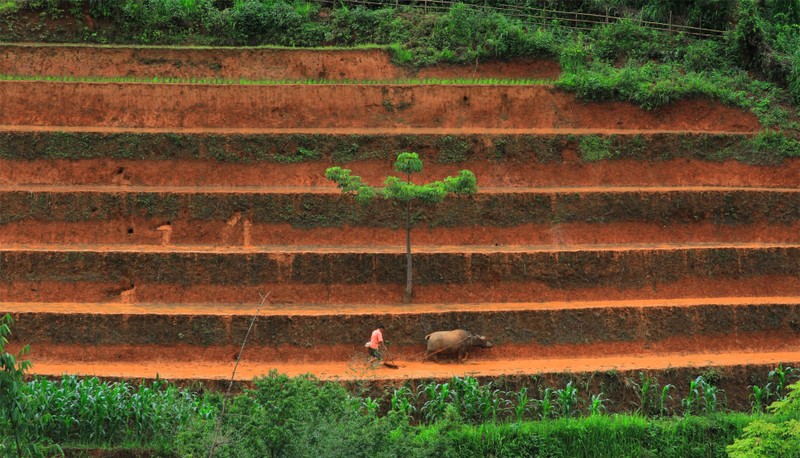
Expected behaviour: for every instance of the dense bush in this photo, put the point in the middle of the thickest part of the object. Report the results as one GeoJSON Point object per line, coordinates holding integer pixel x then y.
{"type": "Point", "coordinates": [296, 417]}
{"type": "Point", "coordinates": [777, 435]}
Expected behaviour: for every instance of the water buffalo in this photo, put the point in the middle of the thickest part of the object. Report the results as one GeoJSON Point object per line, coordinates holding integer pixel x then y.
{"type": "Point", "coordinates": [456, 341]}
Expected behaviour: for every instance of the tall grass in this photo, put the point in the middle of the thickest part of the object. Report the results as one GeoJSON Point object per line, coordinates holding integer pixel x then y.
{"type": "Point", "coordinates": [596, 436]}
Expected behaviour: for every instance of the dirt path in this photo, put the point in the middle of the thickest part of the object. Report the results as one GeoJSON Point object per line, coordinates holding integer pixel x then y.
{"type": "Point", "coordinates": [137, 105]}
{"type": "Point", "coordinates": [332, 189]}
{"type": "Point", "coordinates": [240, 231]}
{"type": "Point", "coordinates": [419, 249]}
{"type": "Point", "coordinates": [568, 173]}
{"type": "Point", "coordinates": [399, 130]}
{"type": "Point", "coordinates": [347, 370]}
{"type": "Point", "coordinates": [296, 309]}
{"type": "Point", "coordinates": [120, 290]}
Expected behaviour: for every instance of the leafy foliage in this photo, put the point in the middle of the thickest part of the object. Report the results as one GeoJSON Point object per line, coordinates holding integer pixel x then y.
{"type": "Point", "coordinates": [295, 417]}
{"type": "Point", "coordinates": [14, 411]}
{"type": "Point", "coordinates": [406, 192]}
{"type": "Point", "coordinates": [777, 436]}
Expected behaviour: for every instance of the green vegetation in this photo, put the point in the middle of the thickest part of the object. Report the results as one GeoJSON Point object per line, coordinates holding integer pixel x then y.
{"type": "Point", "coordinates": [282, 416]}
{"type": "Point", "coordinates": [405, 192]}
{"type": "Point", "coordinates": [765, 148]}
{"type": "Point", "coordinates": [17, 437]}
{"type": "Point", "coordinates": [776, 435]}
{"type": "Point", "coordinates": [755, 65]}
{"type": "Point", "coordinates": [301, 416]}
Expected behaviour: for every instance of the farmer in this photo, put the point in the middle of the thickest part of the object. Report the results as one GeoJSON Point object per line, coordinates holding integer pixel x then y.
{"type": "Point", "coordinates": [376, 344]}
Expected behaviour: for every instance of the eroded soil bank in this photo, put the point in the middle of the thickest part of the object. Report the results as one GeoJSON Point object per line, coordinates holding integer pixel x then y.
{"type": "Point", "coordinates": [733, 373]}
{"type": "Point", "coordinates": [650, 286]}
{"type": "Point", "coordinates": [251, 216]}
{"type": "Point", "coordinates": [532, 332]}
{"type": "Point", "coordinates": [570, 172]}
{"type": "Point", "coordinates": [238, 231]}
{"type": "Point", "coordinates": [559, 267]}
{"type": "Point", "coordinates": [137, 105]}
{"type": "Point", "coordinates": [245, 63]}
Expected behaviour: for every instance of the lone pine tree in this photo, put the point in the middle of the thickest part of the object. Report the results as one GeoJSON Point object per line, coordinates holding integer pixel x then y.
{"type": "Point", "coordinates": [405, 192]}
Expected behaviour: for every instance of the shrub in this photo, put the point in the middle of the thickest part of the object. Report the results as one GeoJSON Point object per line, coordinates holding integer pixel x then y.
{"type": "Point", "coordinates": [779, 436]}
{"type": "Point", "coordinates": [596, 148]}
{"type": "Point", "coordinates": [298, 417]}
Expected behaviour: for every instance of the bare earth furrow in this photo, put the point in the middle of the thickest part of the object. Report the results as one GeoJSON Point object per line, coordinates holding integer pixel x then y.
{"type": "Point", "coordinates": [214, 370]}
{"type": "Point", "coordinates": [297, 216]}
{"type": "Point", "coordinates": [238, 231]}
{"type": "Point", "coordinates": [319, 332]}
{"type": "Point", "coordinates": [235, 63]}
{"type": "Point", "coordinates": [570, 172]}
{"type": "Point", "coordinates": [336, 274]}
{"type": "Point", "coordinates": [138, 105]}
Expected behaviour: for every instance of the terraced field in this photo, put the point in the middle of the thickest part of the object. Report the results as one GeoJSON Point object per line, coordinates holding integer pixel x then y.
{"type": "Point", "coordinates": [140, 220]}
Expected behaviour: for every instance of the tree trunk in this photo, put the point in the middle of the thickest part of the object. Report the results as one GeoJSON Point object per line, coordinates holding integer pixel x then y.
{"type": "Point", "coordinates": [409, 270]}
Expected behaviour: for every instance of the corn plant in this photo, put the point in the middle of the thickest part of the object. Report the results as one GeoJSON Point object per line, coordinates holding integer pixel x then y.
{"type": "Point", "coordinates": [368, 406]}
{"type": "Point", "coordinates": [710, 394]}
{"type": "Point", "coordinates": [662, 399]}
{"type": "Point", "coordinates": [690, 402]}
{"type": "Point", "coordinates": [567, 399]}
{"type": "Point", "coordinates": [14, 411]}
{"type": "Point", "coordinates": [781, 376]}
{"type": "Point", "coordinates": [521, 404]}
{"type": "Point", "coordinates": [438, 395]}
{"type": "Point", "coordinates": [476, 403]}
{"type": "Point", "coordinates": [645, 391]}
{"type": "Point", "coordinates": [546, 407]}
{"type": "Point", "coordinates": [91, 411]}
{"type": "Point", "coordinates": [597, 404]}
{"type": "Point", "coordinates": [404, 402]}
{"type": "Point", "coordinates": [759, 397]}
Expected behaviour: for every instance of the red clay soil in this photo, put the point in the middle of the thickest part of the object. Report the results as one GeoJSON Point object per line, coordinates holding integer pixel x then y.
{"type": "Point", "coordinates": [333, 354]}
{"type": "Point", "coordinates": [571, 172]}
{"type": "Point", "coordinates": [212, 369]}
{"type": "Point", "coordinates": [396, 310]}
{"type": "Point", "coordinates": [302, 331]}
{"type": "Point", "coordinates": [37, 291]}
{"type": "Point", "coordinates": [137, 105]}
{"type": "Point", "coordinates": [239, 231]}
{"type": "Point", "coordinates": [246, 63]}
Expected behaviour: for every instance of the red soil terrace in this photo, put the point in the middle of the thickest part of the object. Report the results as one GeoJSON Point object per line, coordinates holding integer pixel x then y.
{"type": "Point", "coordinates": [298, 106]}
{"type": "Point", "coordinates": [125, 320]}
{"type": "Point", "coordinates": [245, 63]}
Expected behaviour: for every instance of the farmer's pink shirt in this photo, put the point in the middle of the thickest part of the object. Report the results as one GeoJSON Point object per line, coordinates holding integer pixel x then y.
{"type": "Point", "coordinates": [377, 338]}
